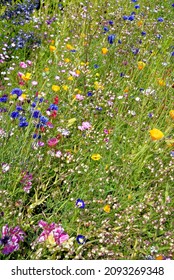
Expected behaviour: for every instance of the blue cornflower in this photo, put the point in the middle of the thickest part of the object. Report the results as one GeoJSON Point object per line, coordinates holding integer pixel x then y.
{"type": "Point", "coordinates": [22, 119]}
{"type": "Point", "coordinates": [137, 6]}
{"type": "Point", "coordinates": [150, 115]}
{"type": "Point", "coordinates": [125, 17]}
{"type": "Point", "coordinates": [53, 107]}
{"type": "Point", "coordinates": [160, 19]}
{"type": "Point", "coordinates": [81, 239]}
{"type": "Point", "coordinates": [36, 114]}
{"type": "Point", "coordinates": [89, 93]}
{"type": "Point", "coordinates": [111, 22]}
{"type": "Point", "coordinates": [36, 136]}
{"type": "Point", "coordinates": [159, 36]}
{"type": "Point", "coordinates": [73, 51]}
{"type": "Point", "coordinates": [122, 74]}
{"type": "Point", "coordinates": [16, 91]}
{"type": "Point", "coordinates": [19, 108]}
{"type": "Point", "coordinates": [131, 18]}
{"type": "Point", "coordinates": [134, 1]}
{"type": "Point", "coordinates": [33, 104]}
{"type": "Point", "coordinates": [111, 38]}
{"type": "Point", "coordinates": [172, 54]}
{"type": "Point", "coordinates": [143, 33]}
{"type": "Point", "coordinates": [3, 99]}
{"type": "Point", "coordinates": [99, 108]}
{"type": "Point", "coordinates": [119, 41]}
{"type": "Point", "coordinates": [106, 29]}
{"type": "Point", "coordinates": [14, 115]}
{"type": "Point", "coordinates": [96, 66]}
{"type": "Point", "coordinates": [80, 203]}
{"type": "Point", "coordinates": [43, 119]}
{"type": "Point", "coordinates": [173, 5]}
{"type": "Point", "coordinates": [23, 124]}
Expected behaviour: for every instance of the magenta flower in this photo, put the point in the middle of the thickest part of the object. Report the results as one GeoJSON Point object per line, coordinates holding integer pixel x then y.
{"type": "Point", "coordinates": [53, 232]}
{"type": "Point", "coordinates": [52, 142]}
{"type": "Point", "coordinates": [11, 238]}
{"type": "Point", "coordinates": [79, 97]}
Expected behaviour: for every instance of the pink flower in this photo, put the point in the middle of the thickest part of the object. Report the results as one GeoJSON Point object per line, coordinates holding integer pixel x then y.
{"type": "Point", "coordinates": [23, 64]}
{"type": "Point", "coordinates": [85, 126]}
{"type": "Point", "coordinates": [34, 83]}
{"type": "Point", "coordinates": [52, 142]}
{"type": "Point", "coordinates": [79, 97]}
{"type": "Point", "coordinates": [52, 230]}
{"type": "Point", "coordinates": [29, 62]}
{"type": "Point", "coordinates": [58, 154]}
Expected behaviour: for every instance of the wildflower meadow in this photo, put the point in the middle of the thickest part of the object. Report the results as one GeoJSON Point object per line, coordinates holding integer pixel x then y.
{"type": "Point", "coordinates": [86, 130]}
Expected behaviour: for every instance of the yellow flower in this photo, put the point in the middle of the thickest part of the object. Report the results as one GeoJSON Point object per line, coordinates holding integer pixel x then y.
{"type": "Point", "coordinates": [104, 50]}
{"type": "Point", "coordinates": [139, 23]}
{"type": "Point", "coordinates": [70, 78]}
{"type": "Point", "coordinates": [141, 65]}
{"type": "Point", "coordinates": [71, 121]}
{"type": "Point", "coordinates": [67, 60]}
{"type": "Point", "coordinates": [98, 86]}
{"type": "Point", "coordinates": [26, 77]}
{"type": "Point", "coordinates": [171, 113]}
{"type": "Point", "coordinates": [126, 89]}
{"type": "Point", "coordinates": [129, 197]}
{"type": "Point", "coordinates": [78, 72]}
{"type": "Point", "coordinates": [55, 88]}
{"type": "Point", "coordinates": [107, 208]}
{"type": "Point", "coordinates": [65, 87]}
{"type": "Point", "coordinates": [161, 82]}
{"type": "Point", "coordinates": [46, 69]}
{"type": "Point", "coordinates": [170, 142]}
{"type": "Point", "coordinates": [52, 48]}
{"type": "Point", "coordinates": [156, 134]}
{"type": "Point", "coordinates": [51, 239]}
{"type": "Point", "coordinates": [96, 156]}
{"type": "Point", "coordinates": [69, 47]}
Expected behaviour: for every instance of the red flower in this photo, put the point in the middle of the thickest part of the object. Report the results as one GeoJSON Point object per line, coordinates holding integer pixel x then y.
{"type": "Point", "coordinates": [56, 100]}
{"type": "Point", "coordinates": [53, 114]}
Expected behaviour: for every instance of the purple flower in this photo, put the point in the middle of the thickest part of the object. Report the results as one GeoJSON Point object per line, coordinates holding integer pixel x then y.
{"type": "Point", "coordinates": [160, 19]}
{"type": "Point", "coordinates": [52, 232]}
{"type": "Point", "coordinates": [16, 91]}
{"type": "Point", "coordinates": [80, 203]}
{"type": "Point", "coordinates": [10, 239]}
{"type": "Point", "coordinates": [81, 239]}
{"type": "Point", "coordinates": [85, 126]}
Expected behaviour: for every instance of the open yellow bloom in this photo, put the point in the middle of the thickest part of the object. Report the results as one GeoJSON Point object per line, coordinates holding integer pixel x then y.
{"type": "Point", "coordinates": [67, 60]}
{"type": "Point", "coordinates": [96, 156]}
{"type": "Point", "coordinates": [141, 65]}
{"type": "Point", "coordinates": [55, 88]}
{"type": "Point", "coordinates": [161, 82]}
{"type": "Point", "coordinates": [171, 113]}
{"type": "Point", "coordinates": [156, 134]}
{"type": "Point", "coordinates": [104, 50]}
{"type": "Point", "coordinates": [69, 47]}
{"type": "Point", "coordinates": [65, 87]}
{"type": "Point", "coordinates": [107, 208]}
{"type": "Point", "coordinates": [26, 77]}
{"type": "Point", "coordinates": [52, 48]}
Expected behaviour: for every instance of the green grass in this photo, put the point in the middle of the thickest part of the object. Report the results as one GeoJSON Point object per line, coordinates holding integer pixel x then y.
{"type": "Point", "coordinates": [135, 174]}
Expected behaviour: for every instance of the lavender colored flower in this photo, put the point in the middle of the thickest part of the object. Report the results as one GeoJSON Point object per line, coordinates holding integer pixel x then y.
{"type": "Point", "coordinates": [53, 233]}
{"type": "Point", "coordinates": [10, 239]}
